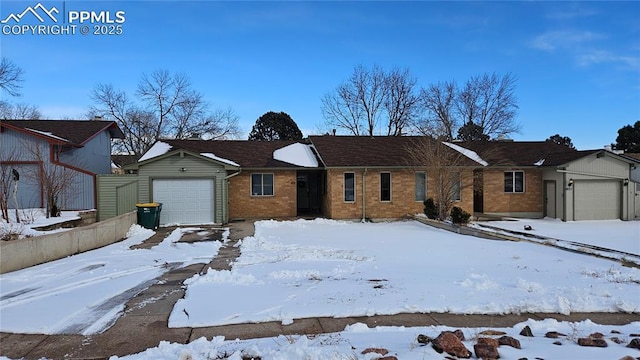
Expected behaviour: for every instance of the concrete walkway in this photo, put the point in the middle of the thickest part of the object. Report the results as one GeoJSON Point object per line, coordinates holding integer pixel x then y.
{"type": "Point", "coordinates": [144, 322]}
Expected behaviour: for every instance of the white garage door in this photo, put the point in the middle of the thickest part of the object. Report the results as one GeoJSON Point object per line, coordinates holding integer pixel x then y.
{"type": "Point", "coordinates": [187, 202]}
{"type": "Point", "coordinates": [597, 200]}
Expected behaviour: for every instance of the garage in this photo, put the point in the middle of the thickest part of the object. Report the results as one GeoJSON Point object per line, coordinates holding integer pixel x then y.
{"type": "Point", "coordinates": [597, 199]}
{"type": "Point", "coordinates": [185, 201]}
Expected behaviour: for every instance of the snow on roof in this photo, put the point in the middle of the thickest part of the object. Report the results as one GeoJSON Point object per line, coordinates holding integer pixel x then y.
{"type": "Point", "coordinates": [296, 154]}
{"type": "Point", "coordinates": [468, 153]}
{"type": "Point", "coordinates": [159, 148]}
{"type": "Point", "coordinates": [222, 160]}
{"type": "Point", "coordinates": [539, 162]}
{"type": "Point", "coordinates": [48, 134]}
{"type": "Point", "coordinates": [114, 166]}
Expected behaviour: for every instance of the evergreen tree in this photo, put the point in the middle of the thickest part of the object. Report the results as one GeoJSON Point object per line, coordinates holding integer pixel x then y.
{"type": "Point", "coordinates": [562, 140]}
{"type": "Point", "coordinates": [275, 126]}
{"type": "Point", "coordinates": [629, 138]}
{"type": "Point", "coordinates": [472, 132]}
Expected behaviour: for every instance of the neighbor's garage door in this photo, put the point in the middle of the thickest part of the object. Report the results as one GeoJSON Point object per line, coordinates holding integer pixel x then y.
{"type": "Point", "coordinates": [184, 201]}
{"type": "Point", "coordinates": [597, 200]}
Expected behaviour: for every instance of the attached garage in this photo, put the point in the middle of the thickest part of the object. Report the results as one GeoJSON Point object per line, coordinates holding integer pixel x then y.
{"type": "Point", "coordinates": [185, 201]}
{"type": "Point", "coordinates": [597, 199]}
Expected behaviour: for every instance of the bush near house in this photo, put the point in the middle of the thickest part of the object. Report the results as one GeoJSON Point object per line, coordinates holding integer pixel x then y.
{"type": "Point", "coordinates": [431, 209]}
{"type": "Point", "coordinates": [459, 216]}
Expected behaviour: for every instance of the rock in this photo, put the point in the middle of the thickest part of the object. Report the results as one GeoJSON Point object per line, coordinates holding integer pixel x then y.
{"type": "Point", "coordinates": [423, 339]}
{"type": "Point", "coordinates": [380, 351]}
{"type": "Point", "coordinates": [493, 333]}
{"type": "Point", "coordinates": [450, 343]}
{"type": "Point", "coordinates": [509, 341]}
{"type": "Point", "coordinates": [593, 342]}
{"type": "Point", "coordinates": [616, 340]}
{"type": "Point", "coordinates": [486, 350]}
{"type": "Point", "coordinates": [490, 341]}
{"type": "Point", "coordinates": [553, 334]}
{"type": "Point", "coordinates": [597, 335]}
{"type": "Point", "coordinates": [459, 334]}
{"type": "Point", "coordinates": [628, 358]}
{"type": "Point", "coordinates": [557, 343]}
{"type": "Point", "coordinates": [390, 357]}
{"type": "Point", "coordinates": [634, 344]}
{"type": "Point", "coordinates": [528, 227]}
{"type": "Point", "coordinates": [526, 332]}
{"type": "Point", "coordinates": [634, 335]}
{"type": "Point", "coordinates": [615, 332]}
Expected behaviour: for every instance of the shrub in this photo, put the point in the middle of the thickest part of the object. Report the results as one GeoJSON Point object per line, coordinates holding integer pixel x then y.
{"type": "Point", "coordinates": [459, 216]}
{"type": "Point", "coordinates": [431, 208]}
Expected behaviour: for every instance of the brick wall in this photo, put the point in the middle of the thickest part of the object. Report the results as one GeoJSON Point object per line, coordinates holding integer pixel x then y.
{"type": "Point", "coordinates": [402, 194]}
{"type": "Point", "coordinates": [282, 204]}
{"type": "Point", "coordinates": [497, 201]}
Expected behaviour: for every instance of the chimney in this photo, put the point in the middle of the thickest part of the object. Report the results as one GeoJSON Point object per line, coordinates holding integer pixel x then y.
{"type": "Point", "coordinates": [334, 132]}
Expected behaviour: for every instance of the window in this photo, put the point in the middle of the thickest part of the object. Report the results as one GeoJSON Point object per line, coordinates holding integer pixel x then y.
{"type": "Point", "coordinates": [514, 181]}
{"type": "Point", "coordinates": [261, 184]}
{"type": "Point", "coordinates": [421, 186]}
{"type": "Point", "coordinates": [349, 187]}
{"type": "Point", "coordinates": [385, 186]}
{"type": "Point", "coordinates": [455, 187]}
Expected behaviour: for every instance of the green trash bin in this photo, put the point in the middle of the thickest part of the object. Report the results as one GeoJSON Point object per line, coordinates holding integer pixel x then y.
{"type": "Point", "coordinates": [149, 215]}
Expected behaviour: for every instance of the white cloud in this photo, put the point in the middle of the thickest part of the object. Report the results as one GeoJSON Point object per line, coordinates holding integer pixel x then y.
{"type": "Point", "coordinates": [564, 39]}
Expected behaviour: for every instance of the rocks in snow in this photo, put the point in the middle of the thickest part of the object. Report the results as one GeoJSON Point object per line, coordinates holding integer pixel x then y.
{"type": "Point", "coordinates": [509, 341]}
{"type": "Point", "coordinates": [634, 344]}
{"type": "Point", "coordinates": [381, 351]}
{"type": "Point", "coordinates": [450, 343]}
{"type": "Point", "coordinates": [594, 340]}
{"type": "Point", "coordinates": [486, 348]}
{"type": "Point", "coordinates": [423, 339]}
{"type": "Point", "coordinates": [553, 335]}
{"type": "Point", "coordinates": [526, 331]}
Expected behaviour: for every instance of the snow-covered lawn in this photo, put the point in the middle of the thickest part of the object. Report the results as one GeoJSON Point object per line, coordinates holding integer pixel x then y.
{"type": "Point", "coordinates": [330, 268]}
{"type": "Point", "coordinates": [304, 268]}
{"type": "Point", "coordinates": [33, 218]}
{"type": "Point", "coordinates": [613, 234]}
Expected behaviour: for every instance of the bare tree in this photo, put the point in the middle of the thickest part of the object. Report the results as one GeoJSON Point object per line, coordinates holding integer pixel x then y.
{"type": "Point", "coordinates": [167, 106]}
{"type": "Point", "coordinates": [445, 168]}
{"type": "Point", "coordinates": [21, 111]}
{"type": "Point", "coordinates": [6, 180]}
{"type": "Point", "coordinates": [489, 101]}
{"type": "Point", "coordinates": [355, 104]}
{"type": "Point", "coordinates": [56, 180]}
{"type": "Point", "coordinates": [11, 77]}
{"type": "Point", "coordinates": [439, 103]}
{"type": "Point", "coordinates": [402, 103]}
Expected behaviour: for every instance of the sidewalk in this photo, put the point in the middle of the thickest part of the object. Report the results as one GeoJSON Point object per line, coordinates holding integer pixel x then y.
{"type": "Point", "coordinates": [144, 322]}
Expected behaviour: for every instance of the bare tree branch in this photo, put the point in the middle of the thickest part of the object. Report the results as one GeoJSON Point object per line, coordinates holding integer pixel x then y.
{"type": "Point", "coordinates": [439, 101]}
{"type": "Point", "coordinates": [11, 77]}
{"type": "Point", "coordinates": [20, 111]}
{"type": "Point", "coordinates": [401, 104]}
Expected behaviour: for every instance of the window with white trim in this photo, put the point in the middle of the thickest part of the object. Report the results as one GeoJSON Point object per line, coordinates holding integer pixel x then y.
{"type": "Point", "coordinates": [385, 186]}
{"type": "Point", "coordinates": [514, 181]}
{"type": "Point", "coordinates": [261, 184]}
{"type": "Point", "coordinates": [349, 187]}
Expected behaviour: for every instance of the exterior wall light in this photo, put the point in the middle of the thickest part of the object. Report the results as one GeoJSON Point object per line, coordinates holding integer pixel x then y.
{"type": "Point", "coordinates": [570, 183]}
{"type": "Point", "coordinates": [625, 182]}
{"type": "Point", "coordinates": [183, 169]}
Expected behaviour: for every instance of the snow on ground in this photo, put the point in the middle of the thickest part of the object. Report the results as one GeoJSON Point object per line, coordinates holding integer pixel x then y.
{"type": "Point", "coordinates": [330, 268]}
{"type": "Point", "coordinates": [613, 234]}
{"type": "Point", "coordinates": [88, 291]}
{"type": "Point", "coordinates": [34, 218]}
{"type": "Point", "coordinates": [400, 342]}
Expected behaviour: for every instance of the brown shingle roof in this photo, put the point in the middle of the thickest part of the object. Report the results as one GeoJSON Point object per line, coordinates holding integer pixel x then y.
{"type": "Point", "coordinates": [523, 153]}
{"type": "Point", "coordinates": [247, 154]}
{"type": "Point", "coordinates": [75, 132]}
{"type": "Point", "coordinates": [381, 151]}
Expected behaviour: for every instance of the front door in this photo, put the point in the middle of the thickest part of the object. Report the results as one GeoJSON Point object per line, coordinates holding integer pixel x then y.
{"type": "Point", "coordinates": [550, 199]}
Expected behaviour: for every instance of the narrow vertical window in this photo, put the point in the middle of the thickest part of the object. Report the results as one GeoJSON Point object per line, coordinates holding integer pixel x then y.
{"type": "Point", "coordinates": [385, 186]}
{"type": "Point", "coordinates": [349, 187]}
{"type": "Point", "coordinates": [456, 186]}
{"type": "Point", "coordinates": [421, 186]}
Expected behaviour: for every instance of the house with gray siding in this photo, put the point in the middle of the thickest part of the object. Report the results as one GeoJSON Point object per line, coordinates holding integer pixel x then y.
{"type": "Point", "coordinates": [75, 150]}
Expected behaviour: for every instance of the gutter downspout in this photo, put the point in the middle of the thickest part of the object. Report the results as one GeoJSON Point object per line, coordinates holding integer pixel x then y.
{"type": "Point", "coordinates": [364, 202]}
{"type": "Point", "coordinates": [225, 216]}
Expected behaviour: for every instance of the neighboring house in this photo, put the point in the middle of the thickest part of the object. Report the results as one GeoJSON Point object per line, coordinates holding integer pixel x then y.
{"type": "Point", "coordinates": [75, 150]}
{"type": "Point", "coordinates": [119, 161]}
{"type": "Point", "coordinates": [349, 177]}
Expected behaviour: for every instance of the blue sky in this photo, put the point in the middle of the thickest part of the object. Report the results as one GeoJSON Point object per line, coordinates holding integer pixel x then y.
{"type": "Point", "coordinates": [577, 64]}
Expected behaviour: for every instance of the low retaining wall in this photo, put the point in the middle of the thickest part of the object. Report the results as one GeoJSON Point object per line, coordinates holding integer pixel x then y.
{"type": "Point", "coordinates": [23, 253]}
